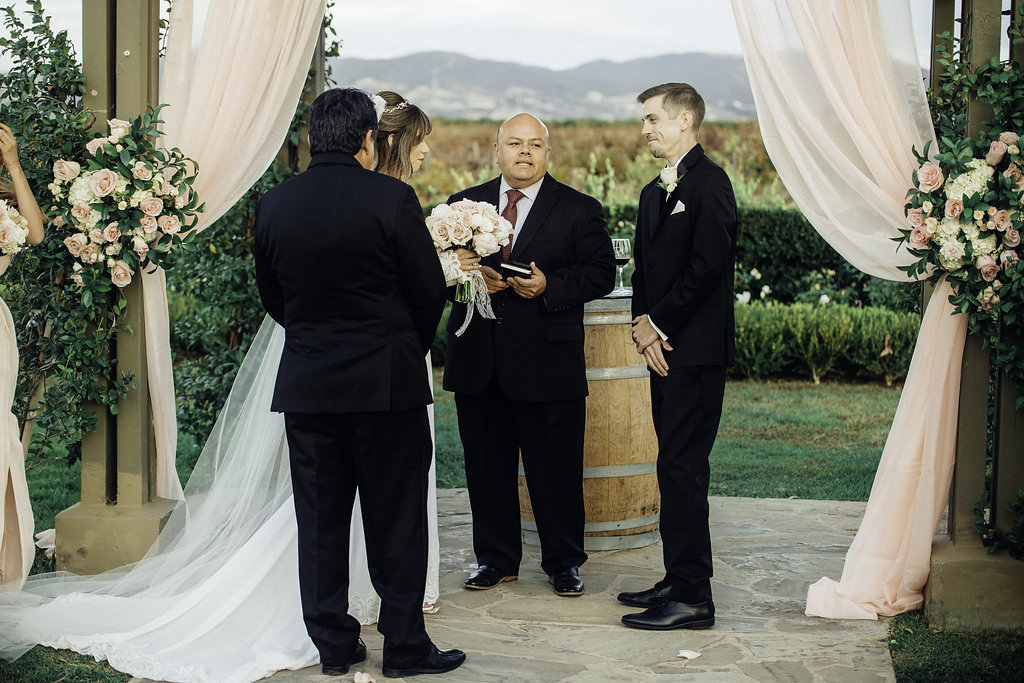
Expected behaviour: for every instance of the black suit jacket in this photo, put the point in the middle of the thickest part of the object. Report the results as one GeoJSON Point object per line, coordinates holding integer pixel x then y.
{"type": "Point", "coordinates": [536, 345]}
{"type": "Point", "coordinates": [685, 260]}
{"type": "Point", "coordinates": [345, 264]}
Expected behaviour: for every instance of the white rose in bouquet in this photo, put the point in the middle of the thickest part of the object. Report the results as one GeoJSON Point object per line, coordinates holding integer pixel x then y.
{"type": "Point", "coordinates": [485, 244]}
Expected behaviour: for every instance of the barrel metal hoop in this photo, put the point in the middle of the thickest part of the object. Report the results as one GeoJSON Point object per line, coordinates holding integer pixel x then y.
{"type": "Point", "coordinates": [635, 469]}
{"type": "Point", "coordinates": [622, 372]}
{"type": "Point", "coordinates": [613, 319]}
{"type": "Point", "coordinates": [593, 543]}
{"type": "Point", "coordinates": [616, 525]}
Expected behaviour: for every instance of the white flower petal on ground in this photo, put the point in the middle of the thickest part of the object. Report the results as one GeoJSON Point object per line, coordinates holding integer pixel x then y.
{"type": "Point", "coordinates": [688, 654]}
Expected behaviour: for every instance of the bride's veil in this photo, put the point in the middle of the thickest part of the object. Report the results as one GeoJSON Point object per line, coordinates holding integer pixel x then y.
{"type": "Point", "coordinates": [239, 491]}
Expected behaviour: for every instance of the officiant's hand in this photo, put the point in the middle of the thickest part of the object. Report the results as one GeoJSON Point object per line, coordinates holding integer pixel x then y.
{"type": "Point", "coordinates": [644, 333]}
{"type": "Point", "coordinates": [468, 259]}
{"type": "Point", "coordinates": [529, 287]}
{"type": "Point", "coordinates": [655, 356]}
{"type": "Point", "coordinates": [493, 278]}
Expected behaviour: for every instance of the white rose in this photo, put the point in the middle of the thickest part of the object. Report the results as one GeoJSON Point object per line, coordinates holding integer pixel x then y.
{"type": "Point", "coordinates": [460, 234]}
{"type": "Point", "coordinates": [743, 298]}
{"type": "Point", "coordinates": [485, 244]}
{"type": "Point", "coordinates": [118, 129]}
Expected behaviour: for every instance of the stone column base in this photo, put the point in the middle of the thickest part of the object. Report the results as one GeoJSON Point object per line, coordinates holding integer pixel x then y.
{"type": "Point", "coordinates": [970, 589]}
{"type": "Point", "coordinates": [94, 538]}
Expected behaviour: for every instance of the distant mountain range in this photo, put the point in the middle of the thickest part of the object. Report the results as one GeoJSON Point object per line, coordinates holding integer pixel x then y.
{"type": "Point", "coordinates": [456, 86]}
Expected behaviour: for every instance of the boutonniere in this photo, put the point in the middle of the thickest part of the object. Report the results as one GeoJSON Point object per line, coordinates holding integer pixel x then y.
{"type": "Point", "coordinates": [669, 179]}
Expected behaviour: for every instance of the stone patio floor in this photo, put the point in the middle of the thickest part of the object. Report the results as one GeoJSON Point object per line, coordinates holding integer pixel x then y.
{"type": "Point", "coordinates": [766, 553]}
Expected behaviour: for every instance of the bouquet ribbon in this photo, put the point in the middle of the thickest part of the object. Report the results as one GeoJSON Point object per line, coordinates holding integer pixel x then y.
{"type": "Point", "coordinates": [479, 301]}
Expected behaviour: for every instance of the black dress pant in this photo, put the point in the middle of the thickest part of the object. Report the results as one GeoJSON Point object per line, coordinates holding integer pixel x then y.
{"type": "Point", "coordinates": [387, 457]}
{"type": "Point", "coordinates": [494, 430]}
{"type": "Point", "coordinates": [687, 407]}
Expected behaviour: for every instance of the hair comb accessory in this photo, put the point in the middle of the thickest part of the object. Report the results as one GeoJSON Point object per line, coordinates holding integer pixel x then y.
{"type": "Point", "coordinates": [379, 106]}
{"type": "Point", "coordinates": [400, 105]}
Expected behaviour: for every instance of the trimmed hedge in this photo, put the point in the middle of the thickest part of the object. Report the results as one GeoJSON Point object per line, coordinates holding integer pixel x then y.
{"type": "Point", "coordinates": [793, 261]}
{"type": "Point", "coordinates": [775, 339]}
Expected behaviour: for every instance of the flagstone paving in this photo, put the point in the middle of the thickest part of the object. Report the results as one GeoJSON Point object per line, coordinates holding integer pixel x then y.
{"type": "Point", "coordinates": [766, 554]}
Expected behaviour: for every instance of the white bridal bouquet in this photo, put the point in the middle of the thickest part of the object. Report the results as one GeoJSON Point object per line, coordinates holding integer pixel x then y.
{"type": "Point", "coordinates": [13, 229]}
{"type": "Point", "coordinates": [468, 225]}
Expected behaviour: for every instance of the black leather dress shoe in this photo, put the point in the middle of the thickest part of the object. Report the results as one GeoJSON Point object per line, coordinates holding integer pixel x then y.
{"type": "Point", "coordinates": [567, 582]}
{"type": "Point", "coordinates": [647, 598]}
{"type": "Point", "coordinates": [669, 614]}
{"type": "Point", "coordinates": [358, 656]}
{"type": "Point", "coordinates": [487, 577]}
{"type": "Point", "coordinates": [436, 662]}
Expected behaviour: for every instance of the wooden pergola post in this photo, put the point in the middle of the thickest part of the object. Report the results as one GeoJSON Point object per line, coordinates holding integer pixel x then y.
{"type": "Point", "coordinates": [968, 587]}
{"type": "Point", "coordinates": [119, 515]}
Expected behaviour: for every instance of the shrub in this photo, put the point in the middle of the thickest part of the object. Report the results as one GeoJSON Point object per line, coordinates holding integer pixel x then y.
{"type": "Point", "coordinates": [821, 334]}
{"type": "Point", "coordinates": [883, 342]}
{"type": "Point", "coordinates": [763, 346]}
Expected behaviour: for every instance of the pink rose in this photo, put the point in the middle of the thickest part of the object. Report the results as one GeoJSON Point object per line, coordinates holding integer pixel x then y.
{"type": "Point", "coordinates": [1009, 258]}
{"type": "Point", "coordinates": [6, 234]}
{"type": "Point", "coordinates": [1011, 237]}
{"type": "Point", "coordinates": [919, 238]}
{"type": "Point", "coordinates": [151, 206]}
{"type": "Point", "coordinates": [929, 177]}
{"type": "Point", "coordinates": [111, 233]}
{"type": "Point", "coordinates": [80, 212]}
{"type": "Point", "coordinates": [59, 221]}
{"type": "Point", "coordinates": [141, 171]}
{"type": "Point", "coordinates": [170, 224]}
{"type": "Point", "coordinates": [988, 267]}
{"type": "Point", "coordinates": [1002, 220]}
{"type": "Point", "coordinates": [140, 247]}
{"type": "Point", "coordinates": [954, 207]}
{"type": "Point", "coordinates": [996, 152]}
{"type": "Point", "coordinates": [121, 274]}
{"type": "Point", "coordinates": [148, 223]}
{"type": "Point", "coordinates": [103, 182]}
{"type": "Point", "coordinates": [168, 190]}
{"type": "Point", "coordinates": [1008, 138]}
{"type": "Point", "coordinates": [77, 279]}
{"type": "Point", "coordinates": [90, 253]}
{"type": "Point", "coordinates": [460, 233]}
{"type": "Point", "coordinates": [66, 170]}
{"type": "Point", "coordinates": [1014, 173]}
{"type": "Point", "coordinates": [75, 243]}
{"type": "Point", "coordinates": [96, 235]}
{"type": "Point", "coordinates": [93, 145]}
{"type": "Point", "coordinates": [915, 217]}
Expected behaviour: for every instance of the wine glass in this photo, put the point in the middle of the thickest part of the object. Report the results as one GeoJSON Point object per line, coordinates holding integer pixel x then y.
{"type": "Point", "coordinates": [621, 247]}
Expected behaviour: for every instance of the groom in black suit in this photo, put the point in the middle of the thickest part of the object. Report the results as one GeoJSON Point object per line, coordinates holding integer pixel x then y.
{"type": "Point", "coordinates": [345, 264]}
{"type": "Point", "coordinates": [520, 380]}
{"type": "Point", "coordinates": [685, 253]}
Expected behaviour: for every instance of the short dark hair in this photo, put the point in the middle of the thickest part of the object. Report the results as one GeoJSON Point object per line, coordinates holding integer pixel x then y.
{"type": "Point", "coordinates": [339, 119]}
{"type": "Point", "coordinates": [679, 97]}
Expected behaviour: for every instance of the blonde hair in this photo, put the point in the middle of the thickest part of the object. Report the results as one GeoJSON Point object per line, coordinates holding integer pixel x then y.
{"type": "Point", "coordinates": [409, 126]}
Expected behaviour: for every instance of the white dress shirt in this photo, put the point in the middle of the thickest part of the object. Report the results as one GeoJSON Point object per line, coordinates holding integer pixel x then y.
{"type": "Point", "coordinates": [523, 206]}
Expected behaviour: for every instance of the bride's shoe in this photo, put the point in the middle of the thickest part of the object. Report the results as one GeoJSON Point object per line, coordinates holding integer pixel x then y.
{"type": "Point", "coordinates": [430, 608]}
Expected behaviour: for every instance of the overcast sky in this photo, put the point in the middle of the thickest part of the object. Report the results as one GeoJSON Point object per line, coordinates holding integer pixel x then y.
{"type": "Point", "coordinates": [558, 34]}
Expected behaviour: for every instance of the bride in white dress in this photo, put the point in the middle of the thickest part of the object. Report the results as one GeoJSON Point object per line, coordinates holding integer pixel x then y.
{"type": "Point", "coordinates": [216, 599]}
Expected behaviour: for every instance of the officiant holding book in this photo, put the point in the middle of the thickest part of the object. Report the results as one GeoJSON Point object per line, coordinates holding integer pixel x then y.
{"type": "Point", "coordinates": [520, 379]}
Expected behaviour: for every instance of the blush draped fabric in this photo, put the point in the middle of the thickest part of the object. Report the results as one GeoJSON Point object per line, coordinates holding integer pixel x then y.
{"type": "Point", "coordinates": [231, 99]}
{"type": "Point", "coordinates": [841, 104]}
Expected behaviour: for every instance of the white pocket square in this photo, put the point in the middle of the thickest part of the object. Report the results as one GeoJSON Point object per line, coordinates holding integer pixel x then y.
{"type": "Point", "coordinates": [679, 208]}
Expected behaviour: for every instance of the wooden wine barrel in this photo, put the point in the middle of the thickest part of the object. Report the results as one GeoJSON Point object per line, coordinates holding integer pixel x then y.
{"type": "Point", "coordinates": [620, 486]}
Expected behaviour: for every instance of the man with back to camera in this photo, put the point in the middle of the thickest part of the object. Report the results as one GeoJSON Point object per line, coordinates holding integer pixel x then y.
{"type": "Point", "coordinates": [345, 264]}
{"type": "Point", "coordinates": [520, 380]}
{"type": "Point", "coordinates": [685, 253]}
